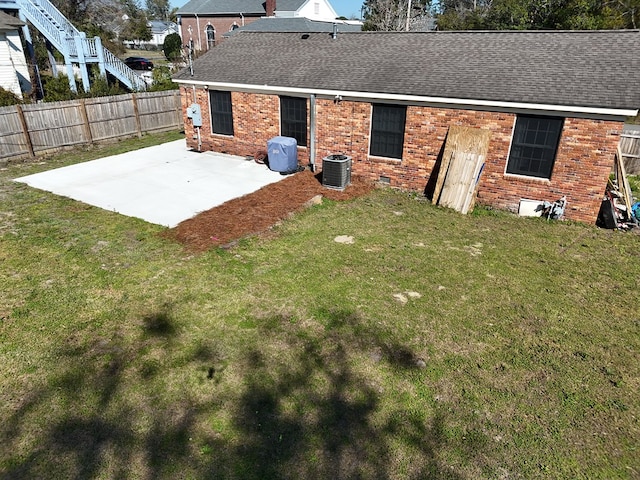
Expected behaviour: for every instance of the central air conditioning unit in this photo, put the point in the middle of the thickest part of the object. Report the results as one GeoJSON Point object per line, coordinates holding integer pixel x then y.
{"type": "Point", "coordinates": [336, 171]}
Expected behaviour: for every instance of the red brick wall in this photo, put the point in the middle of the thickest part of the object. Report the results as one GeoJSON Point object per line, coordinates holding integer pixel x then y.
{"type": "Point", "coordinates": [344, 128]}
{"type": "Point", "coordinates": [198, 26]}
{"type": "Point", "coordinates": [583, 163]}
{"type": "Point", "coordinates": [584, 159]}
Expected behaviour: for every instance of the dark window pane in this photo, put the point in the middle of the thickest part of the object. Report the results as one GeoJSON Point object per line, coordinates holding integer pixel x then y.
{"type": "Point", "coordinates": [211, 37]}
{"type": "Point", "coordinates": [293, 119]}
{"type": "Point", "coordinates": [387, 130]}
{"type": "Point", "coordinates": [534, 146]}
{"type": "Point", "coordinates": [221, 112]}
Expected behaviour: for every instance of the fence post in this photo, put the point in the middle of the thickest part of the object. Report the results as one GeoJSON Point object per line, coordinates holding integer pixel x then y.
{"type": "Point", "coordinates": [25, 130]}
{"type": "Point", "coordinates": [137, 114]}
{"type": "Point", "coordinates": [178, 101]}
{"type": "Point", "coordinates": [85, 120]}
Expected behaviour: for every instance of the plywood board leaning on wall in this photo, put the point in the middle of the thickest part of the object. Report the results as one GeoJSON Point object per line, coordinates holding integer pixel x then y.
{"type": "Point", "coordinates": [463, 160]}
{"type": "Point", "coordinates": [622, 180]}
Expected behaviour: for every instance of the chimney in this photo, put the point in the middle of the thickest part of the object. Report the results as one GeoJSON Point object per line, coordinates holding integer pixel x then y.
{"type": "Point", "coordinates": [270, 7]}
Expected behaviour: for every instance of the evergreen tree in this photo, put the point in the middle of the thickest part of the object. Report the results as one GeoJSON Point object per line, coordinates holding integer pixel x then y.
{"type": "Point", "coordinates": [172, 47]}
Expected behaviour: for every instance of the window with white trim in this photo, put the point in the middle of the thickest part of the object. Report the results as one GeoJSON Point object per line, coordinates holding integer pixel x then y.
{"type": "Point", "coordinates": [534, 145]}
{"type": "Point", "coordinates": [387, 130]}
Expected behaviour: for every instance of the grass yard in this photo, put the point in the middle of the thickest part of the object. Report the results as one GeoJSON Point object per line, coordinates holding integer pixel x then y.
{"type": "Point", "coordinates": [435, 345]}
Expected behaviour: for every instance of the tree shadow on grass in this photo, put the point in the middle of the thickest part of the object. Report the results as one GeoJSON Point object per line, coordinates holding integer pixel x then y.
{"type": "Point", "coordinates": [85, 423]}
{"type": "Point", "coordinates": [312, 415]}
{"type": "Point", "coordinates": [159, 324]}
{"type": "Point", "coordinates": [304, 411]}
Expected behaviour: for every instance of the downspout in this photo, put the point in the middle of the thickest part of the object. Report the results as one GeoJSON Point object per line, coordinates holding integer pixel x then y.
{"type": "Point", "coordinates": [242, 17]}
{"type": "Point", "coordinates": [199, 35]}
{"type": "Point", "coordinates": [312, 132]}
{"type": "Point", "coordinates": [197, 128]}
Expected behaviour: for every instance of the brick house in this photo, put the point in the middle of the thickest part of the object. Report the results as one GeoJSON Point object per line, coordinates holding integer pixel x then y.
{"type": "Point", "coordinates": [297, 24]}
{"type": "Point", "coordinates": [554, 102]}
{"type": "Point", "coordinates": [206, 21]}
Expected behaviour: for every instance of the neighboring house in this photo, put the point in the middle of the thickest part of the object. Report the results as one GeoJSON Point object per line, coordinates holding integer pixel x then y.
{"type": "Point", "coordinates": [297, 24]}
{"type": "Point", "coordinates": [312, 9]}
{"type": "Point", "coordinates": [14, 72]}
{"type": "Point", "coordinates": [204, 22]}
{"type": "Point", "coordinates": [159, 31]}
{"type": "Point", "coordinates": [554, 102]}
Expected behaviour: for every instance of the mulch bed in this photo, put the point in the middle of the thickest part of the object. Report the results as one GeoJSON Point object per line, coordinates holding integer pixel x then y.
{"type": "Point", "coordinates": [256, 212]}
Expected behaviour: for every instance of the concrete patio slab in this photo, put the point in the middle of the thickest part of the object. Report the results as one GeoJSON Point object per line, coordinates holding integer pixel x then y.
{"type": "Point", "coordinates": [164, 184]}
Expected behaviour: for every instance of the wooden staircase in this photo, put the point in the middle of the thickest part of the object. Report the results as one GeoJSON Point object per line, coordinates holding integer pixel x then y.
{"type": "Point", "coordinates": [73, 44]}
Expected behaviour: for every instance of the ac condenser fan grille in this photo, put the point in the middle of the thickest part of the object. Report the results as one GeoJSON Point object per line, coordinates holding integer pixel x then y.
{"type": "Point", "coordinates": [336, 171]}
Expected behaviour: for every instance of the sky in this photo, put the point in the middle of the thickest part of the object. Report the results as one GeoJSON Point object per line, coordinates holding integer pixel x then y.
{"type": "Point", "coordinates": [344, 8]}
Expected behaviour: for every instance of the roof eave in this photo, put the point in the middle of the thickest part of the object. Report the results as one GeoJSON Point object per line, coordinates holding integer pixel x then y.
{"type": "Point", "coordinates": [219, 14]}
{"type": "Point", "coordinates": [619, 114]}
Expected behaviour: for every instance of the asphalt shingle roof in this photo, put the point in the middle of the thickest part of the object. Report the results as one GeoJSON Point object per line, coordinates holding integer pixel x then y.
{"type": "Point", "coordinates": [9, 22]}
{"type": "Point", "coordinates": [578, 68]}
{"type": "Point", "coordinates": [219, 7]}
{"type": "Point", "coordinates": [293, 24]}
{"type": "Point", "coordinates": [159, 26]}
{"type": "Point", "coordinates": [289, 5]}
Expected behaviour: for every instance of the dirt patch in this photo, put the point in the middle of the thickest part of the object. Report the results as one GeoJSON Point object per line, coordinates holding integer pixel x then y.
{"type": "Point", "coordinates": [257, 212]}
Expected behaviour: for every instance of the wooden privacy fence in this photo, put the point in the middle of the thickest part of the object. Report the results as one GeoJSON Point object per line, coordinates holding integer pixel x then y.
{"type": "Point", "coordinates": [630, 148]}
{"type": "Point", "coordinates": [32, 129]}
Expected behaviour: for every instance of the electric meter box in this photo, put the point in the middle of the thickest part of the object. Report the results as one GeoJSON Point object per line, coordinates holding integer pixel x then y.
{"type": "Point", "coordinates": [195, 114]}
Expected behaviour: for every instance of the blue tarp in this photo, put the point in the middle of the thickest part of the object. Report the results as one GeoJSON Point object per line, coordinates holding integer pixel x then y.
{"type": "Point", "coordinates": [283, 154]}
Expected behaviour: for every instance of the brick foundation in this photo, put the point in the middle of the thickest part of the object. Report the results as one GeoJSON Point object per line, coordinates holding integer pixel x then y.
{"type": "Point", "coordinates": [584, 159]}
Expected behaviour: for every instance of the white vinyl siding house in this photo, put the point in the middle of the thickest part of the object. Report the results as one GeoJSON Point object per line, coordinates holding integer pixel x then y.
{"type": "Point", "coordinates": [320, 10]}
{"type": "Point", "coordinates": [14, 72]}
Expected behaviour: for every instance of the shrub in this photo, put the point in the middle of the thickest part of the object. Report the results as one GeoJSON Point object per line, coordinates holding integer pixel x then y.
{"type": "Point", "coordinates": [172, 47]}
{"type": "Point", "coordinates": [57, 88]}
{"type": "Point", "coordinates": [100, 87]}
{"type": "Point", "coordinates": [162, 79]}
{"type": "Point", "coordinates": [8, 98]}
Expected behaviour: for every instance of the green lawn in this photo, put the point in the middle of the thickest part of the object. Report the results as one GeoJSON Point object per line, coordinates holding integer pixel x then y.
{"type": "Point", "coordinates": [436, 345]}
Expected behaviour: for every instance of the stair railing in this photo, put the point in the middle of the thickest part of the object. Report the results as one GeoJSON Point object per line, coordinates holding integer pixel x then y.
{"type": "Point", "coordinates": [44, 24]}
{"type": "Point", "coordinates": [120, 70]}
{"type": "Point", "coordinates": [56, 16]}
{"type": "Point", "coordinates": [62, 34]}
